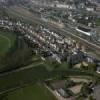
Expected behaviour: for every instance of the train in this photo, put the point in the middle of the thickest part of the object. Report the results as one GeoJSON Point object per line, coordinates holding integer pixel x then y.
{"type": "Point", "coordinates": [88, 34]}
{"type": "Point", "coordinates": [83, 30]}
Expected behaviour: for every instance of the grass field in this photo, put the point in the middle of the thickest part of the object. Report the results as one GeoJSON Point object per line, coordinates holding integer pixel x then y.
{"type": "Point", "coordinates": [14, 79]}
{"type": "Point", "coordinates": [6, 41]}
{"type": "Point", "coordinates": [31, 92]}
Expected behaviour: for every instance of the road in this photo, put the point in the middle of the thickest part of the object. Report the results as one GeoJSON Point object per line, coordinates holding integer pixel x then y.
{"type": "Point", "coordinates": [21, 69]}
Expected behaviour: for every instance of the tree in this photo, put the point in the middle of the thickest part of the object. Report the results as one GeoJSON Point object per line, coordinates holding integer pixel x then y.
{"type": "Point", "coordinates": [85, 90]}
{"type": "Point", "coordinates": [92, 66]}
{"type": "Point", "coordinates": [3, 97]}
{"type": "Point", "coordinates": [91, 98]}
{"type": "Point", "coordinates": [69, 83]}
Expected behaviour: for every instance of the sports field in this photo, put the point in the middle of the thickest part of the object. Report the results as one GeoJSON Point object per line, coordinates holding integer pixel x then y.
{"type": "Point", "coordinates": [6, 41]}
{"type": "Point", "coordinates": [32, 92]}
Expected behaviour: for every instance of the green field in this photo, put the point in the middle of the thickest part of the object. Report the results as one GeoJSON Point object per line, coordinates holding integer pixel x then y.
{"type": "Point", "coordinates": [7, 39]}
{"type": "Point", "coordinates": [31, 92]}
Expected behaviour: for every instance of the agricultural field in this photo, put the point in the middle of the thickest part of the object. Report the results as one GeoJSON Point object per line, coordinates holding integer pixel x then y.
{"type": "Point", "coordinates": [7, 40]}
{"type": "Point", "coordinates": [25, 75]}
{"type": "Point", "coordinates": [32, 92]}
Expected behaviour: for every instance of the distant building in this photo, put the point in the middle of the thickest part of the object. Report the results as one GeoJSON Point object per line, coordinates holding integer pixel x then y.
{"type": "Point", "coordinates": [76, 58]}
{"type": "Point", "coordinates": [98, 7]}
{"type": "Point", "coordinates": [59, 87]}
{"type": "Point", "coordinates": [90, 59]}
{"type": "Point", "coordinates": [62, 93]}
